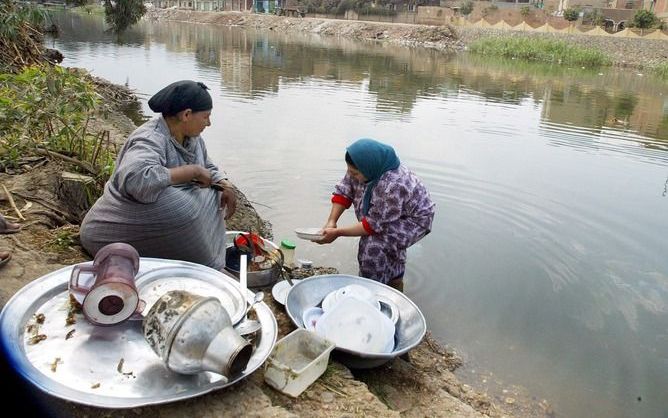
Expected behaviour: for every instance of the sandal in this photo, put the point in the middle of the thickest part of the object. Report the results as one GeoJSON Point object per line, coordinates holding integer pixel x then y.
{"type": "Point", "coordinates": [5, 256]}
{"type": "Point", "coordinates": [8, 227]}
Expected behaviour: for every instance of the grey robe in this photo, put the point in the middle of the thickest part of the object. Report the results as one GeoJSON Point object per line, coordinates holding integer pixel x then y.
{"type": "Point", "coordinates": [140, 206]}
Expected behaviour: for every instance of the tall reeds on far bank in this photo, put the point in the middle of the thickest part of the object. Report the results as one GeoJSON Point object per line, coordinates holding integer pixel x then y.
{"type": "Point", "coordinates": [541, 50]}
{"type": "Point", "coordinates": [662, 70]}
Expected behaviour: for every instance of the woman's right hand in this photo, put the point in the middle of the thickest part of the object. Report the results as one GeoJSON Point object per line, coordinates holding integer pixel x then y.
{"type": "Point", "coordinates": [191, 173]}
{"type": "Point", "coordinates": [329, 234]}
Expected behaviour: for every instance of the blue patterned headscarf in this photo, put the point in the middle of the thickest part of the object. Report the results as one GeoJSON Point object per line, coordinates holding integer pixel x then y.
{"type": "Point", "coordinates": [372, 159]}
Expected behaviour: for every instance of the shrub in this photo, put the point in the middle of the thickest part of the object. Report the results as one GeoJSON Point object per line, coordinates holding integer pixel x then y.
{"type": "Point", "coordinates": [644, 19]}
{"type": "Point", "coordinates": [593, 17]}
{"type": "Point", "coordinates": [466, 7]}
{"type": "Point", "coordinates": [48, 109]}
{"type": "Point", "coordinates": [571, 14]}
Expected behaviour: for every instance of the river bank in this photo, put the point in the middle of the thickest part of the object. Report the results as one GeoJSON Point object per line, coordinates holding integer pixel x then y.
{"type": "Point", "coordinates": [624, 52]}
{"type": "Point", "coordinates": [425, 386]}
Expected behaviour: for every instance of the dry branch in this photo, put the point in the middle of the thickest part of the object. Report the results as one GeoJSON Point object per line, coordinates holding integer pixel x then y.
{"type": "Point", "coordinates": [12, 203]}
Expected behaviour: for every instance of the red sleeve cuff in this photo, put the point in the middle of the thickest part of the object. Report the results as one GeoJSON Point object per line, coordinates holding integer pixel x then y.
{"type": "Point", "coordinates": [367, 227]}
{"type": "Point", "coordinates": [342, 200]}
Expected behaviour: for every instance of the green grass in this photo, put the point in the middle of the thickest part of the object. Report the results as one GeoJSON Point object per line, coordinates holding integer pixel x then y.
{"type": "Point", "coordinates": [540, 50]}
{"type": "Point", "coordinates": [662, 70]}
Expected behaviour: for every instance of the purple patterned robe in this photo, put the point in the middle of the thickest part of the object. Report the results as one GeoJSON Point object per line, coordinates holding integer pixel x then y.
{"type": "Point", "coordinates": [401, 214]}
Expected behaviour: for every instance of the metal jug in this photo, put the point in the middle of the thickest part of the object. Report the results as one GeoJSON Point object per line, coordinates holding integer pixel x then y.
{"type": "Point", "coordinates": [113, 297]}
{"type": "Point", "coordinates": [193, 333]}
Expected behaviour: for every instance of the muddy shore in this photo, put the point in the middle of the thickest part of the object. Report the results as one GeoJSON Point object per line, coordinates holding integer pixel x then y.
{"type": "Point", "coordinates": [425, 386]}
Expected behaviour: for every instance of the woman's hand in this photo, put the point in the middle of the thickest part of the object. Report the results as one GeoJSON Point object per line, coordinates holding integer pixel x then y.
{"type": "Point", "coordinates": [329, 235]}
{"type": "Point", "coordinates": [228, 199]}
{"type": "Point", "coordinates": [191, 173]}
{"type": "Point", "coordinates": [201, 176]}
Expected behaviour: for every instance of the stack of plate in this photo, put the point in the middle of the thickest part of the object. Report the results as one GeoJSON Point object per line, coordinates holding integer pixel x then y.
{"type": "Point", "coordinates": [353, 291]}
{"type": "Point", "coordinates": [354, 324]}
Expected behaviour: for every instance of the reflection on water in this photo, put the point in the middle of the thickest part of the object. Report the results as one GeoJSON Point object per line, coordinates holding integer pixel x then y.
{"type": "Point", "coordinates": [546, 264]}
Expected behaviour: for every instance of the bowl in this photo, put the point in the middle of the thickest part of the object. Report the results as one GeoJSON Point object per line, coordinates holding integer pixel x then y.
{"type": "Point", "coordinates": [311, 316]}
{"type": "Point", "coordinates": [281, 289]}
{"type": "Point", "coordinates": [311, 234]}
{"type": "Point", "coordinates": [410, 328]}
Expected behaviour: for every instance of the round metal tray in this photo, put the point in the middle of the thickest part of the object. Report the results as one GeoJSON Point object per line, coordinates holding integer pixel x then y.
{"type": "Point", "coordinates": [113, 367]}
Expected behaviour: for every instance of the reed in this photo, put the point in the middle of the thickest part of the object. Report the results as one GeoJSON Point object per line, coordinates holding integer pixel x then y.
{"type": "Point", "coordinates": [541, 50]}
{"type": "Point", "coordinates": [662, 70]}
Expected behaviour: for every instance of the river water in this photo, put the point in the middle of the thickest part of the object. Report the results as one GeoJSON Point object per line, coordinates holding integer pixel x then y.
{"type": "Point", "coordinates": [546, 266]}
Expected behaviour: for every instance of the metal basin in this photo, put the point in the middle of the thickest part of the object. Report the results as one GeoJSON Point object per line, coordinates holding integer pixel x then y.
{"type": "Point", "coordinates": [410, 327]}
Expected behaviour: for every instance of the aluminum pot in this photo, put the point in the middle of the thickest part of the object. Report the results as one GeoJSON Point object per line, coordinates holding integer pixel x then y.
{"type": "Point", "coordinates": [255, 279]}
{"type": "Point", "coordinates": [193, 333]}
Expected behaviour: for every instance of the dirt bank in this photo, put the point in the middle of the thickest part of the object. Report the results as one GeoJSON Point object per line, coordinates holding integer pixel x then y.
{"type": "Point", "coordinates": [628, 52]}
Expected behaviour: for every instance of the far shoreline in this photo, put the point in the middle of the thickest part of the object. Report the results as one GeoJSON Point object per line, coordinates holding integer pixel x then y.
{"type": "Point", "coordinates": [638, 53]}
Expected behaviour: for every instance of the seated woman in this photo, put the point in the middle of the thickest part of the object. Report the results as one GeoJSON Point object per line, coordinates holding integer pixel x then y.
{"type": "Point", "coordinates": [158, 198]}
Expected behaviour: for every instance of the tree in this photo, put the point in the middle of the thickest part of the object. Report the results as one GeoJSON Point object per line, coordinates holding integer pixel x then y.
{"type": "Point", "coordinates": [644, 19]}
{"type": "Point", "coordinates": [121, 14]}
{"type": "Point", "coordinates": [466, 7]}
{"type": "Point", "coordinates": [571, 14]}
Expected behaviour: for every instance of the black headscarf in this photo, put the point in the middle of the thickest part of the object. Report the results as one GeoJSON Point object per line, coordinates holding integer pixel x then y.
{"type": "Point", "coordinates": [181, 95]}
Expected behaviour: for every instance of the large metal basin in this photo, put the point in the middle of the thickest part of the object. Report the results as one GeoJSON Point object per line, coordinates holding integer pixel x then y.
{"type": "Point", "coordinates": [410, 328]}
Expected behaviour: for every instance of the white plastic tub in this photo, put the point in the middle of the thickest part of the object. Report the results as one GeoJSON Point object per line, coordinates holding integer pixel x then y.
{"type": "Point", "coordinates": [298, 359]}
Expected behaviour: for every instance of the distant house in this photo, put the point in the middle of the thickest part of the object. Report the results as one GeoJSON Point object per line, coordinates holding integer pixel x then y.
{"type": "Point", "coordinates": [582, 4]}
{"type": "Point", "coordinates": [629, 4]}
{"type": "Point", "coordinates": [659, 7]}
{"type": "Point", "coordinates": [206, 5]}
{"type": "Point", "coordinates": [616, 19]}
{"type": "Point", "coordinates": [265, 6]}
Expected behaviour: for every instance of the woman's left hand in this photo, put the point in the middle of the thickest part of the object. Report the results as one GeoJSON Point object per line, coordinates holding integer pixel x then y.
{"type": "Point", "coordinates": [228, 199]}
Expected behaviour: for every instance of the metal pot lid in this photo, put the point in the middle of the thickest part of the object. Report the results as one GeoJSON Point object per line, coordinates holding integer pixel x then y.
{"type": "Point", "coordinates": [196, 279]}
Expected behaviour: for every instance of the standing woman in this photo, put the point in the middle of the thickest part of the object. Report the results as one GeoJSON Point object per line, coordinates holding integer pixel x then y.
{"type": "Point", "coordinates": [392, 206]}
{"type": "Point", "coordinates": [158, 199]}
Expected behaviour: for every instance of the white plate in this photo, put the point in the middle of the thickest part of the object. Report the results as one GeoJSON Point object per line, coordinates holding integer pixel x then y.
{"type": "Point", "coordinates": [311, 234]}
{"type": "Point", "coordinates": [356, 291]}
{"type": "Point", "coordinates": [281, 289]}
{"type": "Point", "coordinates": [355, 325]}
